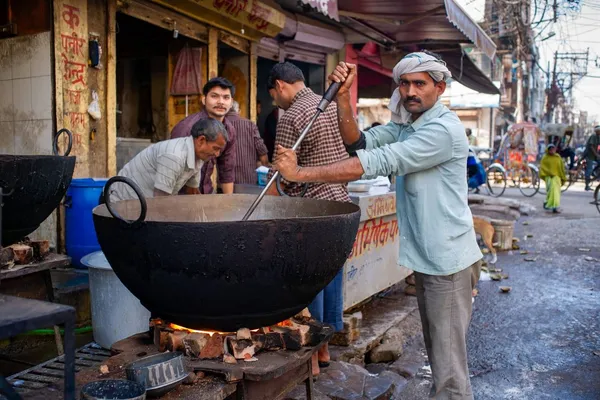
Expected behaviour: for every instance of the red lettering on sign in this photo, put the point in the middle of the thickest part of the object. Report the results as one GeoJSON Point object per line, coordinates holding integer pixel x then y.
{"type": "Point", "coordinates": [72, 44]}
{"type": "Point", "coordinates": [231, 7]}
{"type": "Point", "coordinates": [76, 140]}
{"type": "Point", "coordinates": [379, 206]}
{"type": "Point", "coordinates": [259, 16]}
{"type": "Point", "coordinates": [74, 71]}
{"type": "Point", "coordinates": [74, 97]}
{"type": "Point", "coordinates": [373, 234]}
{"type": "Point", "coordinates": [71, 16]}
{"type": "Point", "coordinates": [77, 119]}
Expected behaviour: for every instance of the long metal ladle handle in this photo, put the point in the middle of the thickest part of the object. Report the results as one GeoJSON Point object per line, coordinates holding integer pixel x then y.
{"type": "Point", "coordinates": [327, 98]}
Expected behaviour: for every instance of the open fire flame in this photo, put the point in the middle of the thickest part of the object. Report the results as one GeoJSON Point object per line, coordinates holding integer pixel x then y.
{"type": "Point", "coordinates": [210, 333]}
{"type": "Point", "coordinates": [183, 328]}
{"type": "Point", "coordinates": [157, 322]}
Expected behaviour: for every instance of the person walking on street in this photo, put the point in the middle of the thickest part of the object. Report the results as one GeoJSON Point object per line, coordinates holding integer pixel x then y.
{"type": "Point", "coordinates": [552, 171]}
{"type": "Point", "coordinates": [217, 99]}
{"type": "Point", "coordinates": [249, 147]}
{"type": "Point", "coordinates": [592, 151]}
{"type": "Point", "coordinates": [323, 145]}
{"type": "Point", "coordinates": [472, 139]}
{"type": "Point", "coordinates": [425, 147]}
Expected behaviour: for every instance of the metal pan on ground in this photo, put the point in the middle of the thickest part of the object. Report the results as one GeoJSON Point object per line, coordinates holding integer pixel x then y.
{"type": "Point", "coordinates": [159, 373]}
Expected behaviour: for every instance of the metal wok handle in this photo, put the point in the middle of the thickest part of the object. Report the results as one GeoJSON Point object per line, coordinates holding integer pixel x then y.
{"type": "Point", "coordinates": [282, 193]}
{"type": "Point", "coordinates": [136, 189]}
{"type": "Point", "coordinates": [55, 142]}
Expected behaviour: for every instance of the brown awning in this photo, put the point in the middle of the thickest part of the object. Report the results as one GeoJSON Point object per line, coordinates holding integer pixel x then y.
{"type": "Point", "coordinates": [466, 72]}
{"type": "Point", "coordinates": [302, 39]}
{"type": "Point", "coordinates": [376, 80]}
{"type": "Point", "coordinates": [406, 22]}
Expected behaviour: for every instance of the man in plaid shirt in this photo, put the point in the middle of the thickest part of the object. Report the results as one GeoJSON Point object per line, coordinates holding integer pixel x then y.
{"type": "Point", "coordinates": [322, 145]}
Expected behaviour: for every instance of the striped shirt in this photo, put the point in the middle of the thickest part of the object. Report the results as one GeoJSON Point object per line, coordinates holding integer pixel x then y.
{"type": "Point", "coordinates": [322, 145]}
{"type": "Point", "coordinates": [167, 166]}
{"type": "Point", "coordinates": [249, 147]}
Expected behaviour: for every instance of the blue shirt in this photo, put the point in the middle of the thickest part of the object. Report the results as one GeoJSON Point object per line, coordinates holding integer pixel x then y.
{"type": "Point", "coordinates": [429, 158]}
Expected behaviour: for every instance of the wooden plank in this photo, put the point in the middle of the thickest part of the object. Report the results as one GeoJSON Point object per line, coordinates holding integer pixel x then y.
{"type": "Point", "coordinates": [28, 384]}
{"type": "Point", "coordinates": [96, 352]}
{"type": "Point", "coordinates": [111, 89]}
{"type": "Point", "coordinates": [253, 80]}
{"type": "Point", "coordinates": [234, 41]}
{"type": "Point", "coordinates": [60, 366]}
{"type": "Point", "coordinates": [213, 53]}
{"type": "Point", "coordinates": [164, 18]}
{"type": "Point", "coordinates": [91, 357]}
{"type": "Point", "coordinates": [40, 378]}
{"type": "Point", "coordinates": [50, 372]}
{"type": "Point", "coordinates": [52, 261]}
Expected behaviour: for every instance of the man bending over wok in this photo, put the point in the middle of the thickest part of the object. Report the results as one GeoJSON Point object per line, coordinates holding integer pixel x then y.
{"type": "Point", "coordinates": [167, 167]}
{"type": "Point", "coordinates": [425, 147]}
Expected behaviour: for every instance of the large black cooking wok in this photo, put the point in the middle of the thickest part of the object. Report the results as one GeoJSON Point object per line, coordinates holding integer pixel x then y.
{"type": "Point", "coordinates": [225, 274]}
{"type": "Point", "coordinates": [32, 187]}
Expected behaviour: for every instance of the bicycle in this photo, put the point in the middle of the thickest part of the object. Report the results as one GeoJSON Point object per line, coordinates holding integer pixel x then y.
{"type": "Point", "coordinates": [495, 177]}
{"type": "Point", "coordinates": [524, 176]}
{"type": "Point", "coordinates": [597, 198]}
{"type": "Point", "coordinates": [579, 173]}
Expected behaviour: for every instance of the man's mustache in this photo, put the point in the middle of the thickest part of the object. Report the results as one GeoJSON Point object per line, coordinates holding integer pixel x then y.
{"type": "Point", "coordinates": [412, 98]}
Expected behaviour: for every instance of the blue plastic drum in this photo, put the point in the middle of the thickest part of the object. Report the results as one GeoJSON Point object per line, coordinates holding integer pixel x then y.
{"type": "Point", "coordinates": [82, 196]}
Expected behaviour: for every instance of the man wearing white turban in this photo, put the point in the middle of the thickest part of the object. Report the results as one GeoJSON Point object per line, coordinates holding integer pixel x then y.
{"type": "Point", "coordinates": [425, 147]}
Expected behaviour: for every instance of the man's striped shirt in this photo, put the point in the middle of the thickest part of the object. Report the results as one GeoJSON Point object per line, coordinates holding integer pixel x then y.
{"type": "Point", "coordinates": [167, 166]}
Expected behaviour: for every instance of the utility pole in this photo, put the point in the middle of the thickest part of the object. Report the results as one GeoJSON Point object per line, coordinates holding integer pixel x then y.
{"type": "Point", "coordinates": [519, 110]}
{"type": "Point", "coordinates": [569, 68]}
{"type": "Point", "coordinates": [555, 8]}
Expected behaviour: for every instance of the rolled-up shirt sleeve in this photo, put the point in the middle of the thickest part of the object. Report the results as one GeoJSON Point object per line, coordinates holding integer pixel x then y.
{"type": "Point", "coordinates": [169, 168]}
{"type": "Point", "coordinates": [382, 135]}
{"type": "Point", "coordinates": [429, 146]}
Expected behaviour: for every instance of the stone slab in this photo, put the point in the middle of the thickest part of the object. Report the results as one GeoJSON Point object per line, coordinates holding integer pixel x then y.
{"type": "Point", "coordinates": [379, 315]}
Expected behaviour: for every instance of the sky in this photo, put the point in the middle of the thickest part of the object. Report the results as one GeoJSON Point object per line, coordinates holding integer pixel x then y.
{"type": "Point", "coordinates": [575, 31]}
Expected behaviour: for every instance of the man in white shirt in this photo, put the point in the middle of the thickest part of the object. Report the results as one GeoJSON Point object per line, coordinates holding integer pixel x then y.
{"type": "Point", "coordinates": [167, 167]}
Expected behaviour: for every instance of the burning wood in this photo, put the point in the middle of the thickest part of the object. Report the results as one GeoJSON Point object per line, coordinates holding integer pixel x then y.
{"type": "Point", "coordinates": [41, 248]}
{"type": "Point", "coordinates": [229, 359]}
{"type": "Point", "coordinates": [241, 349]}
{"type": "Point", "coordinates": [161, 336]}
{"type": "Point", "coordinates": [23, 253]}
{"type": "Point", "coordinates": [290, 335]}
{"type": "Point", "coordinates": [194, 343]}
{"type": "Point", "coordinates": [175, 341]}
{"type": "Point", "coordinates": [214, 347]}
{"type": "Point", "coordinates": [244, 334]}
{"type": "Point", "coordinates": [7, 257]}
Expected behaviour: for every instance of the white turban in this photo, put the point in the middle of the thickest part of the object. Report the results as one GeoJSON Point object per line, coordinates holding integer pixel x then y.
{"type": "Point", "coordinates": [411, 63]}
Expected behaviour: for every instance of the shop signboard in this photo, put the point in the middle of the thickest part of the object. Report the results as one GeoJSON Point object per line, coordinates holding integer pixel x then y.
{"type": "Point", "coordinates": [373, 264]}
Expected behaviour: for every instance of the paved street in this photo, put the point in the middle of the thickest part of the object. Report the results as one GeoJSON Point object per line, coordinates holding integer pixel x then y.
{"type": "Point", "coordinates": [541, 340]}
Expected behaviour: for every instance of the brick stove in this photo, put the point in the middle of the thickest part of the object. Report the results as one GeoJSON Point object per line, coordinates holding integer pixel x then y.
{"type": "Point", "coordinates": [273, 369]}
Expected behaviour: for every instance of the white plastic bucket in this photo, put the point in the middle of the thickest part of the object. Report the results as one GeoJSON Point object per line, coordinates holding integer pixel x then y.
{"type": "Point", "coordinates": [116, 313]}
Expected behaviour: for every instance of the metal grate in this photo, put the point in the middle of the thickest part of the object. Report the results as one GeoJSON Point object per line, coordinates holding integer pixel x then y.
{"type": "Point", "coordinates": [52, 371]}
